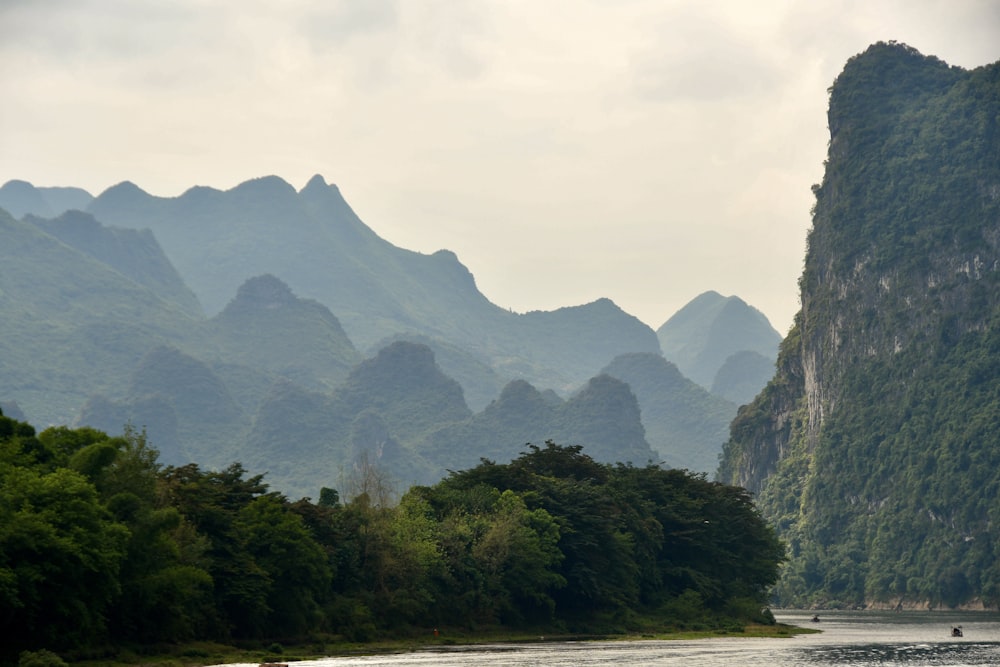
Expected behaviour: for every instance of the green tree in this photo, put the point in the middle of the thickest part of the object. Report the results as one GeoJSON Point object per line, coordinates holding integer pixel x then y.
{"type": "Point", "coordinates": [296, 567]}
{"type": "Point", "coordinates": [60, 555]}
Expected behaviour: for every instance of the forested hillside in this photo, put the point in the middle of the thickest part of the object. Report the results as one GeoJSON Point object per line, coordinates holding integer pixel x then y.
{"type": "Point", "coordinates": [315, 243]}
{"type": "Point", "coordinates": [100, 329]}
{"type": "Point", "coordinates": [104, 550]}
{"type": "Point", "coordinates": [684, 423]}
{"type": "Point", "coordinates": [875, 449]}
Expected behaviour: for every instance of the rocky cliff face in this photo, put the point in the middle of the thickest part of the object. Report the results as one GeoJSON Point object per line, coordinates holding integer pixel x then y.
{"type": "Point", "coordinates": [864, 447]}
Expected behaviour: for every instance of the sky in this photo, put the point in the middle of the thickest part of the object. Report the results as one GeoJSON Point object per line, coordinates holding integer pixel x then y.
{"type": "Point", "coordinates": [640, 150]}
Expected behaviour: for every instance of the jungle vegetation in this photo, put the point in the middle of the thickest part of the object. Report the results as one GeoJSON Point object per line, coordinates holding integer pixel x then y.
{"type": "Point", "coordinates": [875, 450]}
{"type": "Point", "coordinates": [101, 547]}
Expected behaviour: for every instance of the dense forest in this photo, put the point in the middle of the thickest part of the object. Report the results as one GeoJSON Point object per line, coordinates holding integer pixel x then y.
{"type": "Point", "coordinates": [101, 547]}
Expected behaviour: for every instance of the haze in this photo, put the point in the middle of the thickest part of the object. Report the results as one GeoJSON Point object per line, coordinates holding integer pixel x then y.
{"type": "Point", "coordinates": [643, 150]}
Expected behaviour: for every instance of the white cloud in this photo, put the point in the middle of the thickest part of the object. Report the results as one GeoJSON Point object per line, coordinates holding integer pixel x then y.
{"type": "Point", "coordinates": [645, 150]}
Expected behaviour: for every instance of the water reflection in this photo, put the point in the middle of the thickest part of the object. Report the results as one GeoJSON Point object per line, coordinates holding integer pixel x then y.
{"type": "Point", "coordinates": [918, 654]}
{"type": "Point", "coordinates": [860, 639]}
{"type": "Point", "coordinates": [905, 638]}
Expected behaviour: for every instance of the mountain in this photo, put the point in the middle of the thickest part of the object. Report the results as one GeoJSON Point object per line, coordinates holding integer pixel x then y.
{"type": "Point", "coordinates": [11, 409]}
{"type": "Point", "coordinates": [72, 325]}
{"type": "Point", "coordinates": [20, 198]}
{"type": "Point", "coordinates": [603, 417]}
{"type": "Point", "coordinates": [314, 242]}
{"type": "Point", "coordinates": [481, 384]}
{"type": "Point", "coordinates": [684, 423]}
{"type": "Point", "coordinates": [742, 375]}
{"type": "Point", "coordinates": [101, 328]}
{"type": "Point", "coordinates": [184, 406]}
{"type": "Point", "coordinates": [705, 333]}
{"type": "Point", "coordinates": [135, 254]}
{"type": "Point", "coordinates": [874, 449]}
{"type": "Point", "coordinates": [269, 328]}
{"type": "Point", "coordinates": [398, 411]}
{"type": "Point", "coordinates": [306, 440]}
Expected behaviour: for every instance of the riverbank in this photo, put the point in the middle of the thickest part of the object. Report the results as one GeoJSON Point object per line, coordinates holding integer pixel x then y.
{"type": "Point", "coordinates": [202, 654]}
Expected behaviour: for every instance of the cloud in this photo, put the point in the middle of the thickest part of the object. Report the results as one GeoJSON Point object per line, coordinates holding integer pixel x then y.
{"type": "Point", "coordinates": [644, 150]}
{"type": "Point", "coordinates": [379, 44]}
{"type": "Point", "coordinates": [694, 57]}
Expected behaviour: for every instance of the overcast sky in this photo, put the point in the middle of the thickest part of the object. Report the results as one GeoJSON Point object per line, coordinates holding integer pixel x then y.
{"type": "Point", "coordinates": [566, 150]}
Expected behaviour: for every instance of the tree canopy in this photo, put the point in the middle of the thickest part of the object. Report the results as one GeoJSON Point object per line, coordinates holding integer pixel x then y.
{"type": "Point", "coordinates": [101, 545]}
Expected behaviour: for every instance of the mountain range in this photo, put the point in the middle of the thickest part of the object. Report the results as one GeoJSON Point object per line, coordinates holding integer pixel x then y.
{"type": "Point", "coordinates": [271, 326]}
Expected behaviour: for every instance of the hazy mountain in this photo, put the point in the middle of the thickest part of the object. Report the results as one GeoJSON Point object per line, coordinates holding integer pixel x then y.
{"type": "Point", "coordinates": [274, 377]}
{"type": "Point", "coordinates": [268, 328]}
{"type": "Point", "coordinates": [702, 335]}
{"type": "Point", "coordinates": [311, 240]}
{"type": "Point", "coordinates": [405, 385]}
{"type": "Point", "coordinates": [315, 243]}
{"type": "Point", "coordinates": [603, 417]}
{"type": "Point", "coordinates": [71, 325]}
{"type": "Point", "coordinates": [480, 383]}
{"type": "Point", "coordinates": [307, 440]}
{"type": "Point", "coordinates": [684, 423]}
{"type": "Point", "coordinates": [398, 411]}
{"type": "Point", "coordinates": [875, 448]}
{"type": "Point", "coordinates": [11, 409]}
{"type": "Point", "coordinates": [742, 376]}
{"type": "Point", "coordinates": [134, 254]}
{"type": "Point", "coordinates": [20, 198]}
{"type": "Point", "coordinates": [94, 335]}
{"type": "Point", "coordinates": [184, 406]}
{"type": "Point", "coordinates": [577, 341]}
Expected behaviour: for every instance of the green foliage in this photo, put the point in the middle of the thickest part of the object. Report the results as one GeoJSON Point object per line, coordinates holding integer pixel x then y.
{"type": "Point", "coordinates": [101, 546]}
{"type": "Point", "coordinates": [634, 537]}
{"type": "Point", "coordinates": [60, 558]}
{"type": "Point", "coordinates": [875, 448]}
{"type": "Point", "coordinates": [40, 658]}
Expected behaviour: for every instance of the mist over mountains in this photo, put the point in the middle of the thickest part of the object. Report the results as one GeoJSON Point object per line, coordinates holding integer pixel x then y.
{"type": "Point", "coordinates": [271, 326]}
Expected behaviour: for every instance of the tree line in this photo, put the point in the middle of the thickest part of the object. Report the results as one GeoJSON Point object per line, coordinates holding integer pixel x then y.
{"type": "Point", "coordinates": [102, 546]}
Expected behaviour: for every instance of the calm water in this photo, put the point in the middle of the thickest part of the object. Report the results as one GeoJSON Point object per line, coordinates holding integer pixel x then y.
{"type": "Point", "coordinates": [865, 639]}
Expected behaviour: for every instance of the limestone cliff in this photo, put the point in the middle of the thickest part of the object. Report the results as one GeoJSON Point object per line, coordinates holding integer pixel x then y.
{"type": "Point", "coordinates": [875, 448]}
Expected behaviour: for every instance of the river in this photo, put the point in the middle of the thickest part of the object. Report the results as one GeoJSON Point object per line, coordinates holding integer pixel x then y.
{"type": "Point", "coordinates": [863, 639]}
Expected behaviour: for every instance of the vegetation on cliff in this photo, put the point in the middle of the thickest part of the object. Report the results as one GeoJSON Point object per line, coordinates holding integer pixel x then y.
{"type": "Point", "coordinates": [874, 450]}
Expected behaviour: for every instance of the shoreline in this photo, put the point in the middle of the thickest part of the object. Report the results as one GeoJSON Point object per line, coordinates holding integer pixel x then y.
{"type": "Point", "coordinates": [213, 654]}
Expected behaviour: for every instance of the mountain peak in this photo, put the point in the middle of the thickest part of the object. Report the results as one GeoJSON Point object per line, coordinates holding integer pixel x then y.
{"type": "Point", "coordinates": [124, 188]}
{"type": "Point", "coordinates": [317, 182]}
{"type": "Point", "coordinates": [20, 198]}
{"type": "Point", "coordinates": [266, 291]}
{"type": "Point", "coordinates": [265, 186]}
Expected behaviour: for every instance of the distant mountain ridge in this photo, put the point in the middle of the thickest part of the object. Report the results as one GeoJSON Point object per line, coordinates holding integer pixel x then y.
{"type": "Point", "coordinates": [684, 423]}
{"type": "Point", "coordinates": [324, 252]}
{"type": "Point", "coordinates": [283, 385]}
{"type": "Point", "coordinates": [20, 198]}
{"type": "Point", "coordinates": [134, 253]}
{"type": "Point", "coordinates": [705, 333]}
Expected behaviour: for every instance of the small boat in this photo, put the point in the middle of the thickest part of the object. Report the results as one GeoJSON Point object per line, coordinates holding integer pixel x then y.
{"type": "Point", "coordinates": [815, 619]}
{"type": "Point", "coordinates": [956, 631]}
